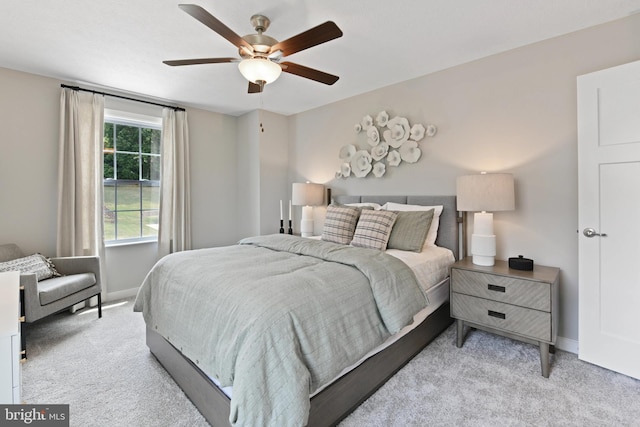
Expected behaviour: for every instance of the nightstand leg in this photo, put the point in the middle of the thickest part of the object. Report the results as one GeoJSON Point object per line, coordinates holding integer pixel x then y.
{"type": "Point", "coordinates": [544, 359]}
{"type": "Point", "coordinates": [459, 332]}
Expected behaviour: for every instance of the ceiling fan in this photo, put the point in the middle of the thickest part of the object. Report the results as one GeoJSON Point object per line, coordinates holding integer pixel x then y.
{"type": "Point", "coordinates": [261, 54]}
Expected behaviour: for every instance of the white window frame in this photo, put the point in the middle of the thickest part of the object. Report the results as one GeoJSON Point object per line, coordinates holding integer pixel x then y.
{"type": "Point", "coordinates": [139, 120]}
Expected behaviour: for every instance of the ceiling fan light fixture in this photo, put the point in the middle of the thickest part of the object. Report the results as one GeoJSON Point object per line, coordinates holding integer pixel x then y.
{"type": "Point", "coordinates": [259, 69]}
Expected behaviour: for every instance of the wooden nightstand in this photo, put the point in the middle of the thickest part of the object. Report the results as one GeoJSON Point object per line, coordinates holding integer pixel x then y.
{"type": "Point", "coordinates": [522, 305]}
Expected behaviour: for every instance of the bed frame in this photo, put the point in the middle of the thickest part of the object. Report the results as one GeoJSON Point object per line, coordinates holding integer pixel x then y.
{"type": "Point", "coordinates": [339, 399]}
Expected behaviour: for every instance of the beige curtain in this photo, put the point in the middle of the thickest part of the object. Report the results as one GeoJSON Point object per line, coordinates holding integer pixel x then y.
{"type": "Point", "coordinates": [80, 175]}
{"type": "Point", "coordinates": [174, 234]}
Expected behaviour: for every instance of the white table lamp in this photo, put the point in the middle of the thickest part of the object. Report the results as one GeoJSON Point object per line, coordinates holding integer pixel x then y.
{"type": "Point", "coordinates": [307, 195]}
{"type": "Point", "coordinates": [479, 194]}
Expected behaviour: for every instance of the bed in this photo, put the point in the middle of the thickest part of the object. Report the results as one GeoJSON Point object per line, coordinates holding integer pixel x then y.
{"type": "Point", "coordinates": [337, 398]}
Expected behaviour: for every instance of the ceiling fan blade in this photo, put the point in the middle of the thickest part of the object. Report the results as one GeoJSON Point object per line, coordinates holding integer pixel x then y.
{"type": "Point", "coordinates": [176, 62]}
{"type": "Point", "coordinates": [313, 37]}
{"type": "Point", "coordinates": [254, 88]}
{"type": "Point", "coordinates": [216, 25]}
{"type": "Point", "coordinates": [309, 73]}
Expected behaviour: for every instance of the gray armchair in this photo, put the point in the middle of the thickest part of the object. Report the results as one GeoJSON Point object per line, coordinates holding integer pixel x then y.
{"type": "Point", "coordinates": [80, 281]}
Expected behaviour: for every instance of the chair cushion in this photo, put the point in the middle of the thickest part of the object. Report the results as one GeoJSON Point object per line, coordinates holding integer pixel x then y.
{"type": "Point", "coordinates": [56, 288]}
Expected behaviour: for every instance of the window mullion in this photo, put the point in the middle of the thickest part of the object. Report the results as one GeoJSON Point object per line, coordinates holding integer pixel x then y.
{"type": "Point", "coordinates": [115, 177]}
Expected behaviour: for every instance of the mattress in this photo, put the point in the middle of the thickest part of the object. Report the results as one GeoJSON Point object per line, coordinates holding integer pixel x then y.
{"type": "Point", "coordinates": [431, 267]}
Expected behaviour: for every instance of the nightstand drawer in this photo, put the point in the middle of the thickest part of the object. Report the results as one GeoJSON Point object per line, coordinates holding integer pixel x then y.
{"type": "Point", "coordinates": [521, 292]}
{"type": "Point", "coordinates": [510, 318]}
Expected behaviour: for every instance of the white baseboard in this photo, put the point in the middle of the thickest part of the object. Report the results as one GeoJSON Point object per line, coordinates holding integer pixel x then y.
{"type": "Point", "coordinates": [567, 344]}
{"type": "Point", "coordinates": [126, 293]}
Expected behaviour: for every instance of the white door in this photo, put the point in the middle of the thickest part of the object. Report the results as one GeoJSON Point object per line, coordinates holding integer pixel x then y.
{"type": "Point", "coordinates": [609, 203]}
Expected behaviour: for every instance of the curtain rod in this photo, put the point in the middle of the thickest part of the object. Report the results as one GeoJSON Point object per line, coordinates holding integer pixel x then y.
{"type": "Point", "coordinates": [121, 97]}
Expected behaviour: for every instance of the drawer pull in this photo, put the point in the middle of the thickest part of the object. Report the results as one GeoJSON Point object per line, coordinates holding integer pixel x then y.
{"type": "Point", "coordinates": [496, 288]}
{"type": "Point", "coordinates": [497, 314]}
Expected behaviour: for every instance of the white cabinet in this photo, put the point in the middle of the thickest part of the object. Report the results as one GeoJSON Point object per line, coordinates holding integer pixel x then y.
{"type": "Point", "coordinates": [10, 375]}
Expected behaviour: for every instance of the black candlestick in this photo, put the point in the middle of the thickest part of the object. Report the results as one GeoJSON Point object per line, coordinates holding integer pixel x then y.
{"type": "Point", "coordinates": [290, 230]}
{"type": "Point", "coordinates": [281, 226]}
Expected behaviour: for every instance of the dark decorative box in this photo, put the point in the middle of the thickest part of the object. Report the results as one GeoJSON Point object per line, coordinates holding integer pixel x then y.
{"type": "Point", "coordinates": [521, 263]}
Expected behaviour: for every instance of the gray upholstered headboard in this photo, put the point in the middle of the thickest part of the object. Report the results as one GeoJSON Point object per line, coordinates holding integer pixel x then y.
{"type": "Point", "coordinates": [448, 231]}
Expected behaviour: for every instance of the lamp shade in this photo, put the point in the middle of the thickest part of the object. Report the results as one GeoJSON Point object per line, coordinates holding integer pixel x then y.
{"type": "Point", "coordinates": [307, 194]}
{"type": "Point", "coordinates": [259, 69]}
{"type": "Point", "coordinates": [485, 192]}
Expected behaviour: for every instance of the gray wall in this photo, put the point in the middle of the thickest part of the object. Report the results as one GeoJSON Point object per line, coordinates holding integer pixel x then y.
{"type": "Point", "coordinates": [29, 107]}
{"type": "Point", "coordinates": [262, 172]}
{"type": "Point", "coordinates": [513, 112]}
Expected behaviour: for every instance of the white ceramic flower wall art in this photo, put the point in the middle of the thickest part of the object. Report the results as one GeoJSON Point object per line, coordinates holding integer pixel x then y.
{"type": "Point", "coordinates": [366, 122]}
{"type": "Point", "coordinates": [373, 136]}
{"type": "Point", "coordinates": [393, 158]}
{"type": "Point", "coordinates": [390, 142]}
{"type": "Point", "coordinates": [379, 169]}
{"type": "Point", "coordinates": [382, 119]}
{"type": "Point", "coordinates": [409, 152]}
{"type": "Point", "coordinates": [398, 132]}
{"type": "Point", "coordinates": [417, 132]}
{"type": "Point", "coordinates": [361, 164]}
{"type": "Point", "coordinates": [380, 151]}
{"type": "Point", "coordinates": [347, 152]}
{"type": "Point", "coordinates": [345, 170]}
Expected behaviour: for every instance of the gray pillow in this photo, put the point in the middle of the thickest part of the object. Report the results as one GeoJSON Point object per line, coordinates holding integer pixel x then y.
{"type": "Point", "coordinates": [410, 230]}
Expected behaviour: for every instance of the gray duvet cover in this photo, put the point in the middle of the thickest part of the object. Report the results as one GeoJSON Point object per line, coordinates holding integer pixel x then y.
{"type": "Point", "coordinates": [277, 316]}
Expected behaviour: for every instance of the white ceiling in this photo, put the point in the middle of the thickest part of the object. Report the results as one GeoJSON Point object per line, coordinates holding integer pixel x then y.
{"type": "Point", "coordinates": [120, 44]}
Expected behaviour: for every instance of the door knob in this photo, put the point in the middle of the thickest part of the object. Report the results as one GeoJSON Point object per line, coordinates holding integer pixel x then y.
{"type": "Point", "coordinates": [590, 232]}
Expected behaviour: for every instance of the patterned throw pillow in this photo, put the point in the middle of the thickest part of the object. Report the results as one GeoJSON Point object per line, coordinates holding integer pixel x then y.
{"type": "Point", "coordinates": [36, 263]}
{"type": "Point", "coordinates": [340, 223]}
{"type": "Point", "coordinates": [373, 229]}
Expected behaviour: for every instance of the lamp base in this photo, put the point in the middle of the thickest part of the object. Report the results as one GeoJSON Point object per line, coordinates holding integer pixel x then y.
{"type": "Point", "coordinates": [483, 249]}
{"type": "Point", "coordinates": [306, 224]}
{"type": "Point", "coordinates": [484, 260]}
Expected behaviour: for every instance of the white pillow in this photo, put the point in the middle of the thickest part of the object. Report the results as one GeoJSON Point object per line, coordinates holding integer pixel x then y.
{"type": "Point", "coordinates": [435, 222]}
{"type": "Point", "coordinates": [375, 206]}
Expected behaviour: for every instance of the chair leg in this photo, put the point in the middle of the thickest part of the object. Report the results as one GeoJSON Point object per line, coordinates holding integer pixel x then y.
{"type": "Point", "coordinates": [99, 306]}
{"type": "Point", "coordinates": [23, 325]}
{"type": "Point", "coordinates": [23, 341]}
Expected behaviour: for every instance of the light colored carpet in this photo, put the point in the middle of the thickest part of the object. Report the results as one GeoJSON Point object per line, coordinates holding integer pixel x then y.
{"type": "Point", "coordinates": [103, 369]}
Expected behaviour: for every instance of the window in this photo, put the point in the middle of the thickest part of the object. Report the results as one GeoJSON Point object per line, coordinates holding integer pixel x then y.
{"type": "Point", "coordinates": [131, 180]}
